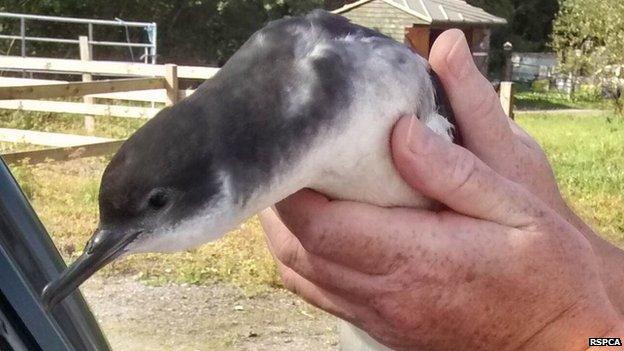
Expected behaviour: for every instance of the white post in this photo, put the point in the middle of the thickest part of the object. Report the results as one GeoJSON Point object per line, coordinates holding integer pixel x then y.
{"type": "Point", "coordinates": [173, 91]}
{"type": "Point", "coordinates": [506, 98]}
{"type": "Point", "coordinates": [86, 55]}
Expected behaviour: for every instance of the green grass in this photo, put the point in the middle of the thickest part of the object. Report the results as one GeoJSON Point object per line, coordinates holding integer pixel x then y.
{"type": "Point", "coordinates": [10, 147]}
{"type": "Point", "coordinates": [587, 154]}
{"type": "Point", "coordinates": [111, 127]}
{"type": "Point", "coordinates": [529, 100]}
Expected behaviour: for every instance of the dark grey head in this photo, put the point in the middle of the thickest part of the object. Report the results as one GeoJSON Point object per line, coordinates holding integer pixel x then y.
{"type": "Point", "coordinates": [162, 176]}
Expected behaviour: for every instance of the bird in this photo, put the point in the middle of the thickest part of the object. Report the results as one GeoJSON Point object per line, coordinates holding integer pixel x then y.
{"type": "Point", "coordinates": [306, 102]}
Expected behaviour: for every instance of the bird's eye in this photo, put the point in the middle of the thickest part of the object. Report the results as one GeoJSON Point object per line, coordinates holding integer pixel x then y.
{"type": "Point", "coordinates": [158, 200]}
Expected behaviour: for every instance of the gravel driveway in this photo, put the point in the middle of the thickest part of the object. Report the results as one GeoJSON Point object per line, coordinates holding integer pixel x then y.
{"type": "Point", "coordinates": [137, 317]}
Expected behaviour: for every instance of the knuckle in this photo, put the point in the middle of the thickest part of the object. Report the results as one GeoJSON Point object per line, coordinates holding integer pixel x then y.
{"type": "Point", "coordinates": [391, 309]}
{"type": "Point", "coordinates": [305, 227]}
{"type": "Point", "coordinates": [292, 257]}
{"type": "Point", "coordinates": [315, 241]}
{"type": "Point", "coordinates": [289, 252]}
{"type": "Point", "coordinates": [462, 171]}
{"type": "Point", "coordinates": [317, 234]}
{"type": "Point", "coordinates": [487, 104]}
{"type": "Point", "coordinates": [308, 235]}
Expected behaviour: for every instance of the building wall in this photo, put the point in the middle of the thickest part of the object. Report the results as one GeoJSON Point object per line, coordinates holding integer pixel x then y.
{"type": "Point", "coordinates": [418, 38]}
{"type": "Point", "coordinates": [385, 18]}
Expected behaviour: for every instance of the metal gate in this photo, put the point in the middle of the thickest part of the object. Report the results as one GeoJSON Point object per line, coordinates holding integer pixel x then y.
{"type": "Point", "coordinates": [150, 48]}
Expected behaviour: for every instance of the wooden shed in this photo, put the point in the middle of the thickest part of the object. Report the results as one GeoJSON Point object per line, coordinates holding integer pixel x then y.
{"type": "Point", "coordinates": [418, 23]}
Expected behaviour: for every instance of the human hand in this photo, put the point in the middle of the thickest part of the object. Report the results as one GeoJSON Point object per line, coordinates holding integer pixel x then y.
{"type": "Point", "coordinates": [486, 131]}
{"type": "Point", "coordinates": [501, 269]}
{"type": "Point", "coordinates": [505, 147]}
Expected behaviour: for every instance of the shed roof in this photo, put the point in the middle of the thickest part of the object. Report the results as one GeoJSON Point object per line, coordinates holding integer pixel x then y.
{"type": "Point", "coordinates": [437, 11]}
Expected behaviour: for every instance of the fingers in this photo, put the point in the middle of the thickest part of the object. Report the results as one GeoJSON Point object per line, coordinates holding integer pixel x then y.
{"type": "Point", "coordinates": [330, 302]}
{"type": "Point", "coordinates": [327, 274]}
{"type": "Point", "coordinates": [352, 234]}
{"type": "Point", "coordinates": [458, 179]}
{"type": "Point", "coordinates": [483, 124]}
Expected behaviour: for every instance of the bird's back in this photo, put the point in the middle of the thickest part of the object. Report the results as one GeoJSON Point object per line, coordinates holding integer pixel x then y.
{"type": "Point", "coordinates": [310, 102]}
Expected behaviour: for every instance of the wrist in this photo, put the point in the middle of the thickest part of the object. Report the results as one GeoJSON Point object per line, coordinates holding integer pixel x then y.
{"type": "Point", "coordinates": [610, 259]}
{"type": "Point", "coordinates": [593, 317]}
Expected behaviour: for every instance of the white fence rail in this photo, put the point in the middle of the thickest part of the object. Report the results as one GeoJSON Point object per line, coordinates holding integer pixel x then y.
{"type": "Point", "coordinates": [149, 83]}
{"type": "Point", "coordinates": [102, 68]}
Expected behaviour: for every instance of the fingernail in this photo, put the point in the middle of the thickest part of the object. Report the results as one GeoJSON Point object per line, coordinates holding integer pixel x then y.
{"type": "Point", "coordinates": [459, 59]}
{"type": "Point", "coordinates": [418, 136]}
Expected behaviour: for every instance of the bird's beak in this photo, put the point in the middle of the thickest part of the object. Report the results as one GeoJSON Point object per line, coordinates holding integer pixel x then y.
{"type": "Point", "coordinates": [103, 248]}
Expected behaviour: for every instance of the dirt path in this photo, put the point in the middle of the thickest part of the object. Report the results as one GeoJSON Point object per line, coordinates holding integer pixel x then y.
{"type": "Point", "coordinates": [137, 317]}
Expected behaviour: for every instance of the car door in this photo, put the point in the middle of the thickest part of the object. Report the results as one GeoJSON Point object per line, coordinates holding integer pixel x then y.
{"type": "Point", "coordinates": [28, 261]}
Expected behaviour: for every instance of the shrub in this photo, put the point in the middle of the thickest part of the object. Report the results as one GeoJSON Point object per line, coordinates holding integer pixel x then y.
{"type": "Point", "coordinates": [541, 85]}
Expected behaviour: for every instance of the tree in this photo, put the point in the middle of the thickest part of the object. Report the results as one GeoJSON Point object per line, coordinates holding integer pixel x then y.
{"type": "Point", "coordinates": [589, 35]}
{"type": "Point", "coordinates": [189, 31]}
{"type": "Point", "coordinates": [334, 4]}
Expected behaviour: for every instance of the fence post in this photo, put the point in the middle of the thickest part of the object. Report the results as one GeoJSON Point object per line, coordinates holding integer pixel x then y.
{"type": "Point", "coordinates": [171, 77]}
{"type": "Point", "coordinates": [23, 36]}
{"type": "Point", "coordinates": [86, 55]}
{"type": "Point", "coordinates": [506, 90]}
{"type": "Point", "coordinates": [507, 98]}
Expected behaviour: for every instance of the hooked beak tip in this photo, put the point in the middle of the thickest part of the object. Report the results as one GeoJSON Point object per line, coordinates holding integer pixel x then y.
{"type": "Point", "coordinates": [56, 290]}
{"type": "Point", "coordinates": [103, 248]}
{"type": "Point", "coordinates": [62, 286]}
{"type": "Point", "coordinates": [47, 298]}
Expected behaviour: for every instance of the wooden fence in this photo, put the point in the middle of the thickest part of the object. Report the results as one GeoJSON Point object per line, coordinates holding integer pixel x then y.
{"type": "Point", "coordinates": [157, 84]}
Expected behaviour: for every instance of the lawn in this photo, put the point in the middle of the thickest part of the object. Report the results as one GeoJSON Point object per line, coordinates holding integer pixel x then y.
{"type": "Point", "coordinates": [587, 153]}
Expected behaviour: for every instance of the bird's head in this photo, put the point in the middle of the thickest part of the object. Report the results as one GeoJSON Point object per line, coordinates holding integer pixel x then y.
{"type": "Point", "coordinates": [155, 196]}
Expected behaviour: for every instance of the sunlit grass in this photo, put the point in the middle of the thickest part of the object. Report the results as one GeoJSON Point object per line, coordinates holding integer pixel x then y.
{"type": "Point", "coordinates": [587, 154]}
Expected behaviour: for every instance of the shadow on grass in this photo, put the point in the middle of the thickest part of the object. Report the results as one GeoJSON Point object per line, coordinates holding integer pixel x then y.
{"type": "Point", "coordinates": [531, 101]}
{"type": "Point", "coordinates": [531, 104]}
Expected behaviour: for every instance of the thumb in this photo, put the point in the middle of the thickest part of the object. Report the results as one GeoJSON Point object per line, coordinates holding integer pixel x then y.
{"type": "Point", "coordinates": [455, 177]}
